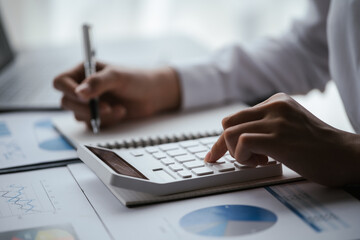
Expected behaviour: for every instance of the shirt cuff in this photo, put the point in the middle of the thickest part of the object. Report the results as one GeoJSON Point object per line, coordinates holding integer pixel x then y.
{"type": "Point", "coordinates": [200, 84]}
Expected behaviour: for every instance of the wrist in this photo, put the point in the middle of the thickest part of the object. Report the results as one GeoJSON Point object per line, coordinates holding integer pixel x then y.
{"type": "Point", "coordinates": [351, 158]}
{"type": "Point", "coordinates": [167, 89]}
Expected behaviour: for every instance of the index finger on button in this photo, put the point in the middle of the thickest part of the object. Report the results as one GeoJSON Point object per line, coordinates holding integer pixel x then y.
{"type": "Point", "coordinates": [217, 150]}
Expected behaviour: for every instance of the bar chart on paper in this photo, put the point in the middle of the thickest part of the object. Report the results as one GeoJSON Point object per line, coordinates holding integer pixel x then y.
{"type": "Point", "coordinates": [310, 210]}
{"type": "Point", "coordinates": [19, 199]}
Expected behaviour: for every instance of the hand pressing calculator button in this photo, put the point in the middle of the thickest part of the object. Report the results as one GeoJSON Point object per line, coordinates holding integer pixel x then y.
{"type": "Point", "coordinates": [170, 168]}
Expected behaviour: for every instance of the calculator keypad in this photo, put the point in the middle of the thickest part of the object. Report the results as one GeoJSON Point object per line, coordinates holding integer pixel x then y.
{"type": "Point", "coordinates": [186, 159]}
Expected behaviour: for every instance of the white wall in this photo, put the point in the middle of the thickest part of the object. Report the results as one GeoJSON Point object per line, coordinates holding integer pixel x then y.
{"type": "Point", "coordinates": [34, 23]}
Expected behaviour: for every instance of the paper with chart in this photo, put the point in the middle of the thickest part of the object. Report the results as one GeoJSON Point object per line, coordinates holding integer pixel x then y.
{"type": "Point", "coordinates": [30, 138]}
{"type": "Point", "coordinates": [45, 203]}
{"type": "Point", "coordinates": [278, 212]}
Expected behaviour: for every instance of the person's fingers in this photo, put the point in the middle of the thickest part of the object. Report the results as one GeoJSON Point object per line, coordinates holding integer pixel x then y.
{"type": "Point", "coordinates": [69, 80]}
{"type": "Point", "coordinates": [117, 114]}
{"type": "Point", "coordinates": [97, 84]}
{"type": "Point", "coordinates": [107, 118]}
{"type": "Point", "coordinates": [108, 115]}
{"type": "Point", "coordinates": [82, 111]}
{"type": "Point", "coordinates": [232, 134]}
{"type": "Point", "coordinates": [252, 148]}
{"type": "Point", "coordinates": [78, 72]}
{"type": "Point", "coordinates": [246, 115]}
{"type": "Point", "coordinates": [217, 150]}
{"type": "Point", "coordinates": [259, 111]}
{"type": "Point", "coordinates": [255, 160]}
{"type": "Point", "coordinates": [66, 85]}
{"type": "Point", "coordinates": [261, 159]}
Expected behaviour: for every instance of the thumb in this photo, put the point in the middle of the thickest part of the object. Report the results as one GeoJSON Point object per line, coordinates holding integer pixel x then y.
{"type": "Point", "coordinates": [95, 85]}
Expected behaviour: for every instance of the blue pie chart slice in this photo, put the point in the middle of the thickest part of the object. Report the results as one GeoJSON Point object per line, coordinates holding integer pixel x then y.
{"type": "Point", "coordinates": [228, 220]}
{"type": "Point", "coordinates": [48, 138]}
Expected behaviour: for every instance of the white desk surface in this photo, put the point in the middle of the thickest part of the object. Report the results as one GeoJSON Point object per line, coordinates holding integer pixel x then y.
{"type": "Point", "coordinates": [161, 221]}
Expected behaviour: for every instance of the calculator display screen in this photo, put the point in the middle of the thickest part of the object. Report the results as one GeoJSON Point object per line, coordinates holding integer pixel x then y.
{"type": "Point", "coordinates": [118, 164]}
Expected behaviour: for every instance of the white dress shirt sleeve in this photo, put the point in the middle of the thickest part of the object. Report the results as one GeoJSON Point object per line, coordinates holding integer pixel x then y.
{"type": "Point", "coordinates": [295, 63]}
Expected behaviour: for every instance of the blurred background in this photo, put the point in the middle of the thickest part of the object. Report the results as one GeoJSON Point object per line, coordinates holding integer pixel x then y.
{"type": "Point", "coordinates": [212, 23]}
{"type": "Point", "coordinates": [138, 32]}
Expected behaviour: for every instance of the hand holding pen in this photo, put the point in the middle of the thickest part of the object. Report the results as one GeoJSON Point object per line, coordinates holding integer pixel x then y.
{"type": "Point", "coordinates": [122, 93]}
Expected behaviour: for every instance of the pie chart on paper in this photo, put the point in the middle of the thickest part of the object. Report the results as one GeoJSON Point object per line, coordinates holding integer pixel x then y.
{"type": "Point", "coordinates": [48, 138]}
{"type": "Point", "coordinates": [228, 220]}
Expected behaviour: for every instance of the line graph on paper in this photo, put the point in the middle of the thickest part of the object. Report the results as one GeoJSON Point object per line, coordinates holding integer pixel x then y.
{"type": "Point", "coordinates": [18, 199]}
{"type": "Point", "coordinates": [10, 151]}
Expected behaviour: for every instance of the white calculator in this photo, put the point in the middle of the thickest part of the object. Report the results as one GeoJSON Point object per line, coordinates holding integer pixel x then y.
{"type": "Point", "coordinates": [170, 168]}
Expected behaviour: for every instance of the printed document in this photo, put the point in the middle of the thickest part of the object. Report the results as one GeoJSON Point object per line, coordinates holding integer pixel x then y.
{"type": "Point", "coordinates": [30, 138]}
{"type": "Point", "coordinates": [46, 204]}
{"type": "Point", "coordinates": [300, 210]}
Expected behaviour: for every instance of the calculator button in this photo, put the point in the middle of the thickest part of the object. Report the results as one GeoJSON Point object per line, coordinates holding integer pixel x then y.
{"type": "Point", "coordinates": [190, 143]}
{"type": "Point", "coordinates": [210, 140]}
{"type": "Point", "coordinates": [210, 145]}
{"type": "Point", "coordinates": [164, 175]}
{"type": "Point", "coordinates": [230, 158]}
{"type": "Point", "coordinates": [167, 161]}
{"type": "Point", "coordinates": [137, 153]}
{"type": "Point", "coordinates": [185, 158]}
{"type": "Point", "coordinates": [184, 174]}
{"type": "Point", "coordinates": [170, 146]}
{"type": "Point", "coordinates": [176, 167]}
{"type": "Point", "coordinates": [224, 167]}
{"type": "Point", "coordinates": [178, 152]}
{"type": "Point", "coordinates": [198, 149]}
{"type": "Point", "coordinates": [194, 164]}
{"type": "Point", "coordinates": [151, 149]}
{"type": "Point", "coordinates": [270, 162]}
{"type": "Point", "coordinates": [201, 155]}
{"type": "Point", "coordinates": [241, 166]}
{"type": "Point", "coordinates": [202, 171]}
{"type": "Point", "coordinates": [159, 155]}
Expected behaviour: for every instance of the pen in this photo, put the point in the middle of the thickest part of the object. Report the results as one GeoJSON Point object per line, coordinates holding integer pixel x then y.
{"type": "Point", "coordinates": [89, 66]}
